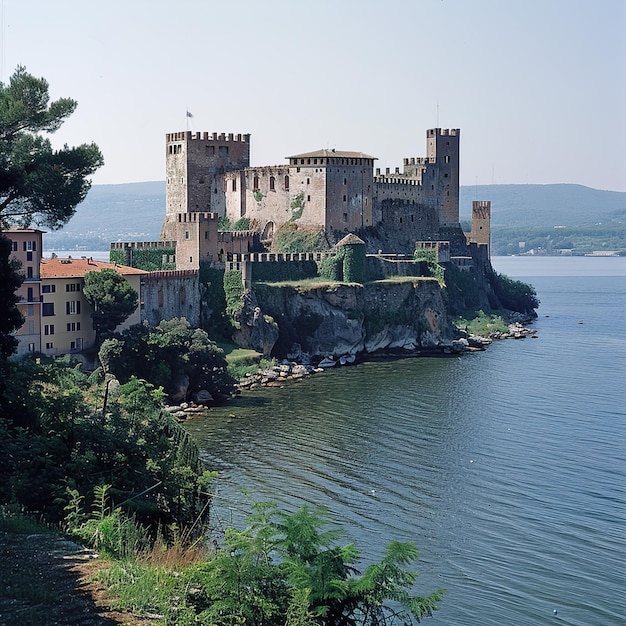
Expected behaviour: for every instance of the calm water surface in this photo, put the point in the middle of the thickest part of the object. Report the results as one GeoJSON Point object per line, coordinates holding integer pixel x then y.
{"type": "Point", "coordinates": [506, 467]}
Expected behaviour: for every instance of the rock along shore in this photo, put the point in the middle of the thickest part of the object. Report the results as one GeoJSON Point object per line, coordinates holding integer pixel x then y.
{"type": "Point", "coordinates": [282, 373]}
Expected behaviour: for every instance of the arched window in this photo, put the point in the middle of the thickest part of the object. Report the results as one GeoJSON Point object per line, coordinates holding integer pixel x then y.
{"type": "Point", "coordinates": [286, 183]}
{"type": "Point", "coordinates": [272, 183]}
{"type": "Point", "coordinates": [255, 184]}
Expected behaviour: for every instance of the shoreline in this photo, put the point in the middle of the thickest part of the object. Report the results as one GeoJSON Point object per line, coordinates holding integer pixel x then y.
{"type": "Point", "coordinates": [287, 371]}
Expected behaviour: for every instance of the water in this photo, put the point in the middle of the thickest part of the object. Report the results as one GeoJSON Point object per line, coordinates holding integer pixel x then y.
{"type": "Point", "coordinates": [506, 467]}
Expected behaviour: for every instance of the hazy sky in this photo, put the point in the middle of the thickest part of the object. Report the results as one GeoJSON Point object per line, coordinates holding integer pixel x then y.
{"type": "Point", "coordinates": [537, 87]}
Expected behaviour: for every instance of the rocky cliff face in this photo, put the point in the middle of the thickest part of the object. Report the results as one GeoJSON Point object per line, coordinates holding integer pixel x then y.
{"type": "Point", "coordinates": [338, 319]}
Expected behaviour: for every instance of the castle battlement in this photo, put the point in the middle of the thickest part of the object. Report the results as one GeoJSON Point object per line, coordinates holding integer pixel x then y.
{"type": "Point", "coordinates": [276, 257]}
{"type": "Point", "coordinates": [418, 160]}
{"type": "Point", "coordinates": [433, 132]}
{"type": "Point", "coordinates": [196, 217]}
{"type": "Point", "coordinates": [385, 180]}
{"type": "Point", "coordinates": [157, 276]}
{"type": "Point", "coordinates": [268, 169]}
{"type": "Point", "coordinates": [141, 245]}
{"type": "Point", "coordinates": [204, 136]}
{"type": "Point", "coordinates": [229, 235]}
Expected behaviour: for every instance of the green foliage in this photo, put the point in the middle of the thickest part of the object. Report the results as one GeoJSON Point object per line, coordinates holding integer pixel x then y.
{"type": "Point", "coordinates": [233, 291]}
{"type": "Point", "coordinates": [293, 238]}
{"type": "Point", "coordinates": [112, 298]}
{"type": "Point", "coordinates": [118, 256]}
{"type": "Point", "coordinates": [10, 317]}
{"type": "Point", "coordinates": [280, 271]}
{"type": "Point", "coordinates": [152, 259]}
{"type": "Point", "coordinates": [224, 224]}
{"type": "Point", "coordinates": [462, 291]}
{"type": "Point", "coordinates": [482, 324]}
{"type": "Point", "coordinates": [110, 532]}
{"type": "Point", "coordinates": [213, 301]}
{"type": "Point", "coordinates": [65, 442]}
{"type": "Point", "coordinates": [515, 295]}
{"type": "Point", "coordinates": [258, 196]}
{"type": "Point", "coordinates": [167, 355]}
{"type": "Point", "coordinates": [239, 368]}
{"type": "Point", "coordinates": [297, 207]}
{"type": "Point", "coordinates": [288, 569]}
{"type": "Point", "coordinates": [431, 258]}
{"type": "Point", "coordinates": [331, 268]}
{"type": "Point", "coordinates": [354, 263]}
{"type": "Point", "coordinates": [39, 185]}
{"type": "Point", "coordinates": [243, 223]}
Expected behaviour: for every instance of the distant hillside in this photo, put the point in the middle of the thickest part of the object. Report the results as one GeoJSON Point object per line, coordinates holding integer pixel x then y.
{"type": "Point", "coordinates": [135, 211]}
{"type": "Point", "coordinates": [545, 205]}
{"type": "Point", "coordinates": [131, 211]}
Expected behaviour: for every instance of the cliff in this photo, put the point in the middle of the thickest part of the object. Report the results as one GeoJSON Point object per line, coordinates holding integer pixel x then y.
{"type": "Point", "coordinates": [334, 319]}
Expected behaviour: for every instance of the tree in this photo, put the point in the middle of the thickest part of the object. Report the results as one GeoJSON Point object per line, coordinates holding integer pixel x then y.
{"type": "Point", "coordinates": [112, 298]}
{"type": "Point", "coordinates": [10, 317]}
{"type": "Point", "coordinates": [173, 356]}
{"type": "Point", "coordinates": [286, 569]}
{"type": "Point", "coordinates": [39, 185]}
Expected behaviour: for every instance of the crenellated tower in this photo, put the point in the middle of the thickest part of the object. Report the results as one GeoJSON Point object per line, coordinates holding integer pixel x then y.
{"type": "Point", "coordinates": [440, 180]}
{"type": "Point", "coordinates": [195, 164]}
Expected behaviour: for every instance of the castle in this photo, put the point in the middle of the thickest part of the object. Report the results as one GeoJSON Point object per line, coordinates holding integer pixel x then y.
{"type": "Point", "coordinates": [208, 176]}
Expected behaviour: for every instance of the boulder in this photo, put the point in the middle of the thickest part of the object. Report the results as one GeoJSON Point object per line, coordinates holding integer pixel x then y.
{"type": "Point", "coordinates": [203, 397]}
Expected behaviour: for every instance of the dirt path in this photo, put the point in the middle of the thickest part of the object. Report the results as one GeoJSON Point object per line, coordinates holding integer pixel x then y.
{"type": "Point", "coordinates": [45, 581]}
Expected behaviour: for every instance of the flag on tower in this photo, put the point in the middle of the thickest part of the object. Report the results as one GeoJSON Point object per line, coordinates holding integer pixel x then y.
{"type": "Point", "coordinates": [189, 114]}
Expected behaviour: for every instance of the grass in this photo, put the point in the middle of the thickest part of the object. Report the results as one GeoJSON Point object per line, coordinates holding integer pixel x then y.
{"type": "Point", "coordinates": [14, 520]}
{"type": "Point", "coordinates": [242, 361]}
{"type": "Point", "coordinates": [482, 324]}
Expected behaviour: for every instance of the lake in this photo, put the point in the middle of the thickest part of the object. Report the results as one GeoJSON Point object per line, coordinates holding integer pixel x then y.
{"type": "Point", "coordinates": [505, 467]}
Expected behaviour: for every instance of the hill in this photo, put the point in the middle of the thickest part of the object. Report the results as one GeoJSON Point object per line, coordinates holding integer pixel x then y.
{"type": "Point", "coordinates": [135, 211]}
{"type": "Point", "coordinates": [545, 205]}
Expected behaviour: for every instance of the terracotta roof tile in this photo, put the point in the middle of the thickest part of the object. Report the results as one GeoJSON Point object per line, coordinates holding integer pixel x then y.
{"type": "Point", "coordinates": [331, 153]}
{"type": "Point", "coordinates": [77, 268]}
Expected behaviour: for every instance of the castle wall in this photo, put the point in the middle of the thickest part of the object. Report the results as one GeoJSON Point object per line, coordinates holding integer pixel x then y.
{"type": "Point", "coordinates": [166, 295]}
{"type": "Point", "coordinates": [349, 195]}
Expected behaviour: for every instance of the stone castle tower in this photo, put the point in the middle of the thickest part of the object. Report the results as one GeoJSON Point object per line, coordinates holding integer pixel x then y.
{"type": "Point", "coordinates": [481, 223]}
{"type": "Point", "coordinates": [195, 164]}
{"type": "Point", "coordinates": [442, 149]}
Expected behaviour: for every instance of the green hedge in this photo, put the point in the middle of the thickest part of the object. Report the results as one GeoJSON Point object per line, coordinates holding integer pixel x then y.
{"type": "Point", "coordinates": [284, 271]}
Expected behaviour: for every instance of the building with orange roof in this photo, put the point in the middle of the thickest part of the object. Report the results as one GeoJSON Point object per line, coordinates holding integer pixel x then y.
{"type": "Point", "coordinates": [66, 324]}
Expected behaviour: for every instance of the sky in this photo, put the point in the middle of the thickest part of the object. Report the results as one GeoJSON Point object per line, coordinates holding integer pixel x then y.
{"type": "Point", "coordinates": [537, 87]}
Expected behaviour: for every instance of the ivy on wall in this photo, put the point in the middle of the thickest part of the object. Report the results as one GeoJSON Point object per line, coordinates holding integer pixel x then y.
{"type": "Point", "coordinates": [284, 271]}
{"type": "Point", "coordinates": [354, 263]}
{"type": "Point", "coordinates": [331, 268]}
{"type": "Point", "coordinates": [233, 291]}
{"type": "Point", "coordinates": [117, 256]}
{"type": "Point", "coordinates": [293, 238]}
{"type": "Point", "coordinates": [431, 258]}
{"type": "Point", "coordinates": [148, 259]}
{"type": "Point", "coordinates": [297, 207]}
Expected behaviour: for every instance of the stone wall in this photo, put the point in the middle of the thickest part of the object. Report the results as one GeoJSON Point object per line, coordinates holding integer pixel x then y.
{"type": "Point", "coordinates": [167, 295]}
